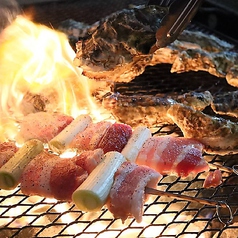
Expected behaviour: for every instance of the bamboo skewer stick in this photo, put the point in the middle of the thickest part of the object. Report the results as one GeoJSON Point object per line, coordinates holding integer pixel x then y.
{"type": "Point", "coordinates": [223, 168]}
{"type": "Point", "coordinates": [204, 201]}
{"type": "Point", "coordinates": [217, 204]}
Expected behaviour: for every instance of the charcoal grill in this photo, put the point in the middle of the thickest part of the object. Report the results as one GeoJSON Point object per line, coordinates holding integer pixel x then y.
{"type": "Point", "coordinates": [23, 216]}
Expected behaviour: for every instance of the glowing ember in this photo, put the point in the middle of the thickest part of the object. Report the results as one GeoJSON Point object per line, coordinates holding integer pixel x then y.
{"type": "Point", "coordinates": [37, 74]}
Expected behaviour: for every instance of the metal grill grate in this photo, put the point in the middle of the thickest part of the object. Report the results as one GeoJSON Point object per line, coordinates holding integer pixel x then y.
{"type": "Point", "coordinates": [159, 80]}
{"type": "Point", "coordinates": [22, 216]}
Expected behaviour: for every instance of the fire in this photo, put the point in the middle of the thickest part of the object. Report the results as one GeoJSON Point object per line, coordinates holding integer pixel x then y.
{"type": "Point", "coordinates": [36, 64]}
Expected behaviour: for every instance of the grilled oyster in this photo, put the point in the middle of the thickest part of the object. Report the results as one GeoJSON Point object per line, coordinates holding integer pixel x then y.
{"type": "Point", "coordinates": [226, 103]}
{"type": "Point", "coordinates": [196, 100]}
{"type": "Point", "coordinates": [219, 136]}
{"type": "Point", "coordinates": [151, 110]}
{"type": "Point", "coordinates": [138, 110]}
{"type": "Point", "coordinates": [118, 49]}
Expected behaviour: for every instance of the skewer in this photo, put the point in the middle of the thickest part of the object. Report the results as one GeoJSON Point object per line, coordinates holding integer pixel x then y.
{"type": "Point", "coordinates": [224, 168]}
{"type": "Point", "coordinates": [217, 204]}
{"type": "Point", "coordinates": [235, 169]}
{"type": "Point", "coordinates": [185, 197]}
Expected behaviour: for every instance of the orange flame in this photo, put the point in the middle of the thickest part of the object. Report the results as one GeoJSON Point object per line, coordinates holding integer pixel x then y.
{"type": "Point", "coordinates": [36, 60]}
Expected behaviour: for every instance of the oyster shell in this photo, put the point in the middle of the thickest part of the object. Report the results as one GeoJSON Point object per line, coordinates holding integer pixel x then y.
{"type": "Point", "coordinates": [217, 134]}
{"type": "Point", "coordinates": [226, 104]}
{"type": "Point", "coordinates": [118, 49]}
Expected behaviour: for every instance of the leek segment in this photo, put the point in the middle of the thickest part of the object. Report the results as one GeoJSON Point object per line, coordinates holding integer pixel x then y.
{"type": "Point", "coordinates": [60, 142]}
{"type": "Point", "coordinates": [11, 171]}
{"type": "Point", "coordinates": [92, 194]}
{"type": "Point", "coordinates": [135, 143]}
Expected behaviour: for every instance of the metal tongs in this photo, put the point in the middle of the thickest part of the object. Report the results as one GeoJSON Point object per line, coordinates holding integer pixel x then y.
{"type": "Point", "coordinates": [180, 13]}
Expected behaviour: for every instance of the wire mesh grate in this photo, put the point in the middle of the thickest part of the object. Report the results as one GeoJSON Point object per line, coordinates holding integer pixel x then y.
{"type": "Point", "coordinates": [23, 216]}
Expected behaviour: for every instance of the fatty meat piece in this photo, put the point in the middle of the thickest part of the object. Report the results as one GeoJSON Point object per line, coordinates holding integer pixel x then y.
{"type": "Point", "coordinates": [115, 138]}
{"type": "Point", "coordinates": [90, 137]}
{"type": "Point", "coordinates": [104, 135]}
{"type": "Point", "coordinates": [171, 155]}
{"type": "Point", "coordinates": [43, 126]}
{"type": "Point", "coordinates": [213, 179]}
{"type": "Point", "coordinates": [88, 160]}
{"type": "Point", "coordinates": [7, 150]}
{"type": "Point", "coordinates": [127, 195]}
{"type": "Point", "coordinates": [50, 176]}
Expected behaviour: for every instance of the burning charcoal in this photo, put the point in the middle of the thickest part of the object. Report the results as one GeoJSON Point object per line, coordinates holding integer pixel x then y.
{"type": "Point", "coordinates": [8, 12]}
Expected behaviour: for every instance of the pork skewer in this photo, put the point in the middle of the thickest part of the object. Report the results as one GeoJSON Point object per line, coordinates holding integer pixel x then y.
{"type": "Point", "coordinates": [150, 176]}
{"type": "Point", "coordinates": [115, 136]}
{"type": "Point", "coordinates": [103, 135]}
{"type": "Point", "coordinates": [134, 151]}
{"type": "Point", "coordinates": [124, 189]}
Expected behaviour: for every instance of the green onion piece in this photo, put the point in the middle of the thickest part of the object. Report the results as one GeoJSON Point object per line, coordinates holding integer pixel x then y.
{"type": "Point", "coordinates": [59, 143]}
{"type": "Point", "coordinates": [92, 194]}
{"type": "Point", "coordinates": [10, 172]}
{"type": "Point", "coordinates": [136, 141]}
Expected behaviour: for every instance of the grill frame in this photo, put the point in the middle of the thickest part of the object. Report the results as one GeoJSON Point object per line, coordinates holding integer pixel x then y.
{"type": "Point", "coordinates": [12, 223]}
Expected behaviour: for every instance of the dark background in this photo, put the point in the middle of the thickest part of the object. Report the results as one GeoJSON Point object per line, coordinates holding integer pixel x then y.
{"type": "Point", "coordinates": [218, 15]}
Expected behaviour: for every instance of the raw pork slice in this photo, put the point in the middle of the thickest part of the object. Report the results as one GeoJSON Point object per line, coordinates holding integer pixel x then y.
{"type": "Point", "coordinates": [91, 136]}
{"type": "Point", "coordinates": [88, 160]}
{"type": "Point", "coordinates": [104, 135]}
{"type": "Point", "coordinates": [42, 126]}
{"type": "Point", "coordinates": [127, 195]}
{"type": "Point", "coordinates": [115, 138]}
{"type": "Point", "coordinates": [50, 176]}
{"type": "Point", "coordinates": [7, 150]}
{"type": "Point", "coordinates": [171, 155]}
{"type": "Point", "coordinates": [213, 179]}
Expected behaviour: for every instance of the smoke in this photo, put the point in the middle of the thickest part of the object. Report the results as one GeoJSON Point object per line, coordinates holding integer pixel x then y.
{"type": "Point", "coordinates": [8, 11]}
